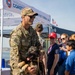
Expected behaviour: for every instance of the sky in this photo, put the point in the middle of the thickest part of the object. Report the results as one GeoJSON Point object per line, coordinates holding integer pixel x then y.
{"type": "Point", "coordinates": [62, 11]}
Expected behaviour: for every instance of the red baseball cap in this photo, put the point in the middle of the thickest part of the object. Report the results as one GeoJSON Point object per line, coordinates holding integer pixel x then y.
{"type": "Point", "coordinates": [53, 35]}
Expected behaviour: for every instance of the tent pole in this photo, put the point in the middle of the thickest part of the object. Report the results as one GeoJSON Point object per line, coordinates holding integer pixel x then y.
{"type": "Point", "coordinates": [1, 44]}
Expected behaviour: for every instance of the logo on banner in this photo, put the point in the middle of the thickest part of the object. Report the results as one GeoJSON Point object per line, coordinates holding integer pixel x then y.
{"type": "Point", "coordinates": [8, 3]}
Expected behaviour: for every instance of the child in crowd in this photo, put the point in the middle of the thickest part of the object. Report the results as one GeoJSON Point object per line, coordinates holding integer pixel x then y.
{"type": "Point", "coordinates": [70, 62]}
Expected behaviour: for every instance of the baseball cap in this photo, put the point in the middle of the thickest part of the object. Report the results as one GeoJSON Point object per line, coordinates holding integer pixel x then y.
{"type": "Point", "coordinates": [53, 35]}
{"type": "Point", "coordinates": [28, 11]}
{"type": "Point", "coordinates": [39, 27]}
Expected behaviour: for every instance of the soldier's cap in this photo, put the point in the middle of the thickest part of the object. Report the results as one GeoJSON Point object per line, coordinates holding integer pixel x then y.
{"type": "Point", "coordinates": [39, 25]}
{"type": "Point", "coordinates": [28, 12]}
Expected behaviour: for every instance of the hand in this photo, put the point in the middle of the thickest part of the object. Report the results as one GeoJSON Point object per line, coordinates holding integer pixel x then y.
{"type": "Point", "coordinates": [62, 48]}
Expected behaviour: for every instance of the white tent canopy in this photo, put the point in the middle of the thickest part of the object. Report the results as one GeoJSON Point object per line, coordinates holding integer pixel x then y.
{"type": "Point", "coordinates": [16, 7]}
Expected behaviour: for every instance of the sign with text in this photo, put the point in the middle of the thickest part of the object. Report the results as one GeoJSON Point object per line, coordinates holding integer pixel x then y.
{"type": "Point", "coordinates": [16, 6]}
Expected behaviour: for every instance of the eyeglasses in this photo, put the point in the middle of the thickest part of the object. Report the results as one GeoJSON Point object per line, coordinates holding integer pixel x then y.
{"type": "Point", "coordinates": [32, 17]}
{"type": "Point", "coordinates": [63, 39]}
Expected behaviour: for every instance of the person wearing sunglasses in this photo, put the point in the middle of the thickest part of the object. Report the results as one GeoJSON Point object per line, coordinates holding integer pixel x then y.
{"type": "Point", "coordinates": [53, 55]}
{"type": "Point", "coordinates": [21, 39]}
{"type": "Point", "coordinates": [63, 53]}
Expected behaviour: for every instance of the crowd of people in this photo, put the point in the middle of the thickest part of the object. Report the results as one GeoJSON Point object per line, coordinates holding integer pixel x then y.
{"type": "Point", "coordinates": [27, 55]}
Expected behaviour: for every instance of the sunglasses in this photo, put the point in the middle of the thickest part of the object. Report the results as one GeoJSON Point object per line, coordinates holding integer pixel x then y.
{"type": "Point", "coordinates": [32, 17]}
{"type": "Point", "coordinates": [63, 38]}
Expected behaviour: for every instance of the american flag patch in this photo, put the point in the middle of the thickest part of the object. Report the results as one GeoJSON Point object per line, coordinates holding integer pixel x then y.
{"type": "Point", "coordinates": [57, 51]}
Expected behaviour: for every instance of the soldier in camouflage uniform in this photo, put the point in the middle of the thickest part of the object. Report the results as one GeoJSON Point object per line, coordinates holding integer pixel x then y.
{"type": "Point", "coordinates": [22, 37]}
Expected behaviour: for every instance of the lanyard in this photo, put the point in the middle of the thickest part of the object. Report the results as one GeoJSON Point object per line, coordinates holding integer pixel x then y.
{"type": "Point", "coordinates": [50, 48]}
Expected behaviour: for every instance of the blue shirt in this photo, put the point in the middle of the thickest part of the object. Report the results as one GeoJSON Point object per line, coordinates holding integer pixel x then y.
{"type": "Point", "coordinates": [62, 55]}
{"type": "Point", "coordinates": [70, 63]}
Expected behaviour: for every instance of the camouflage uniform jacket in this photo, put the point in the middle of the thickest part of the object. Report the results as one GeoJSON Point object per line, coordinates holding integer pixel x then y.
{"type": "Point", "coordinates": [20, 40]}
